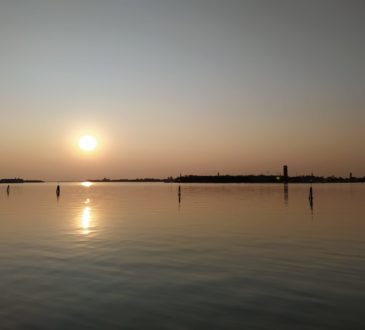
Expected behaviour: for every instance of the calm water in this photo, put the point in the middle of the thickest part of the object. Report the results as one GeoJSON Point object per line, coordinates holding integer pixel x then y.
{"type": "Point", "coordinates": [128, 256]}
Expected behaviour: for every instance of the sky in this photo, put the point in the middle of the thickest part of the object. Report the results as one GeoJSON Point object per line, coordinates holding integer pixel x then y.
{"type": "Point", "coordinates": [181, 86]}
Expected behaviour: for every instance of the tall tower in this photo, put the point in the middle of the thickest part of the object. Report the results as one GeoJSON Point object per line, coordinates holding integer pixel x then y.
{"type": "Point", "coordinates": [285, 173]}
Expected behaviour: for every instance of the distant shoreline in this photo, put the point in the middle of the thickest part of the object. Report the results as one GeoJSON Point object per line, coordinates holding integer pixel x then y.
{"type": "Point", "coordinates": [214, 179]}
{"type": "Point", "coordinates": [240, 179]}
{"type": "Point", "coordinates": [19, 180]}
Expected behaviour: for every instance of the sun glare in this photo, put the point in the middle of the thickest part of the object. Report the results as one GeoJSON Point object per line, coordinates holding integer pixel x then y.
{"type": "Point", "coordinates": [87, 143]}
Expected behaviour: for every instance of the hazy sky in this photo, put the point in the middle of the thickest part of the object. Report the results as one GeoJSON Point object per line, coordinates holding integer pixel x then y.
{"type": "Point", "coordinates": [190, 86]}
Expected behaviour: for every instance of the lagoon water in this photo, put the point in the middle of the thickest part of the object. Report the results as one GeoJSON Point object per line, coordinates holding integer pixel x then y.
{"type": "Point", "coordinates": [129, 256]}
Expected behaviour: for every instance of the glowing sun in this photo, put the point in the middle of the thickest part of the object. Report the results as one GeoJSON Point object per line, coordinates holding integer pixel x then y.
{"type": "Point", "coordinates": [87, 143]}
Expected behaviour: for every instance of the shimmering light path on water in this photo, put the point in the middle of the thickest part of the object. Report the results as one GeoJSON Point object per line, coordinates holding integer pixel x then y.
{"type": "Point", "coordinates": [129, 256]}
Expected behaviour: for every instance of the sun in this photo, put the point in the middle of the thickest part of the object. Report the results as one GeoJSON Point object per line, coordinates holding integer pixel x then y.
{"type": "Point", "coordinates": [87, 143]}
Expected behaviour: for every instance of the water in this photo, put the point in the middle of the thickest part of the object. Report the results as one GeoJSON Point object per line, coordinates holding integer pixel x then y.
{"type": "Point", "coordinates": [129, 256]}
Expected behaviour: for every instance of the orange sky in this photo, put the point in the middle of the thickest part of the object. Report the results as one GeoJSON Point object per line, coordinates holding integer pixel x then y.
{"type": "Point", "coordinates": [193, 87]}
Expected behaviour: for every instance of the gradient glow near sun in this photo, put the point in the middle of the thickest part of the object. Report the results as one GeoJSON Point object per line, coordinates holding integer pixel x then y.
{"type": "Point", "coordinates": [87, 143]}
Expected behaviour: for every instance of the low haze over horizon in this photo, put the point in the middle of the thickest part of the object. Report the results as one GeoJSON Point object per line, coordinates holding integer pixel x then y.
{"type": "Point", "coordinates": [162, 87]}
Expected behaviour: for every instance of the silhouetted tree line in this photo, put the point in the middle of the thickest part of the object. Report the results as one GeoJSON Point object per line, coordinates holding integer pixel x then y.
{"type": "Point", "coordinates": [261, 179]}
{"type": "Point", "coordinates": [18, 180]}
{"type": "Point", "coordinates": [222, 179]}
{"type": "Point", "coordinates": [241, 179]}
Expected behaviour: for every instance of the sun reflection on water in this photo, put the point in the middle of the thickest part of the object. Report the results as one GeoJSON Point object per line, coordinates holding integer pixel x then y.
{"type": "Point", "coordinates": [85, 222]}
{"type": "Point", "coordinates": [87, 184]}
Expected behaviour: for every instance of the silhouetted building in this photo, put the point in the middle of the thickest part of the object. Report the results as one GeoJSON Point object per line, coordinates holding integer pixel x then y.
{"type": "Point", "coordinates": [285, 173]}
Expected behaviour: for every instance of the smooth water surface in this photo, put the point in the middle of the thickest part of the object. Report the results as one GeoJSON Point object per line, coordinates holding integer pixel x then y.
{"type": "Point", "coordinates": [130, 256]}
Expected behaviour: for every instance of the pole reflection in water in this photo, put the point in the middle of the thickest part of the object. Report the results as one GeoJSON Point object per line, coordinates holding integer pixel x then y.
{"type": "Point", "coordinates": [311, 205]}
{"type": "Point", "coordinates": [310, 199]}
